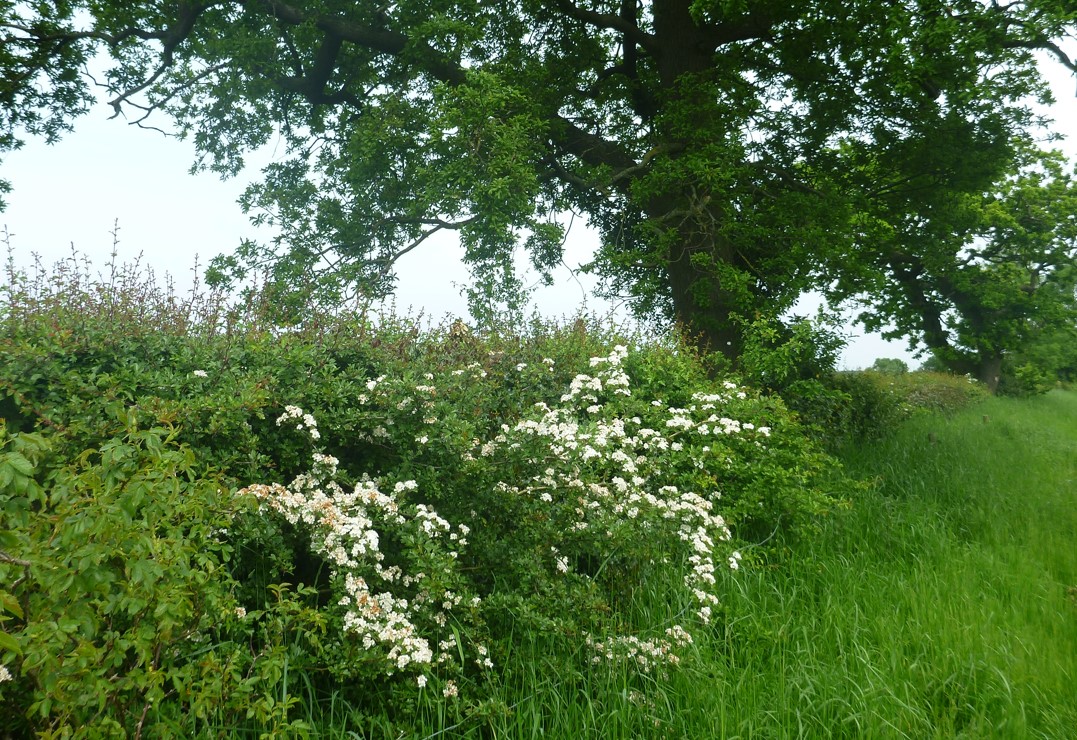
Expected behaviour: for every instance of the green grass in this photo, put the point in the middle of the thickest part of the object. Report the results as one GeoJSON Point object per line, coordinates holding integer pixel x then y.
{"type": "Point", "coordinates": [941, 604]}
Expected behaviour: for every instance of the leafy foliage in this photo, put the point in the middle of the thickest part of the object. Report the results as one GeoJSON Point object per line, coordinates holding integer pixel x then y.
{"type": "Point", "coordinates": [186, 549]}
{"type": "Point", "coordinates": [890, 366]}
{"type": "Point", "coordinates": [983, 274]}
{"type": "Point", "coordinates": [731, 153]}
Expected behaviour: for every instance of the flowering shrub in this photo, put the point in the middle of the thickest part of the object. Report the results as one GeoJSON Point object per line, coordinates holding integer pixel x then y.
{"type": "Point", "coordinates": [417, 505]}
{"type": "Point", "coordinates": [549, 522]}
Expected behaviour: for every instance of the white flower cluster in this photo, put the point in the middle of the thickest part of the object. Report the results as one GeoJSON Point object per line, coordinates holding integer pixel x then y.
{"type": "Point", "coordinates": [645, 654]}
{"type": "Point", "coordinates": [612, 475]}
{"type": "Point", "coordinates": [344, 527]}
{"type": "Point", "coordinates": [613, 379]}
{"type": "Point", "coordinates": [306, 422]}
{"type": "Point", "coordinates": [612, 468]}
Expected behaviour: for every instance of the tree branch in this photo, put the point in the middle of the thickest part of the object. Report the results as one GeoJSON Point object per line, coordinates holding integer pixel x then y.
{"type": "Point", "coordinates": [384, 41]}
{"type": "Point", "coordinates": [170, 38]}
{"type": "Point", "coordinates": [1044, 45]}
{"type": "Point", "coordinates": [436, 225]}
{"type": "Point", "coordinates": [625, 26]}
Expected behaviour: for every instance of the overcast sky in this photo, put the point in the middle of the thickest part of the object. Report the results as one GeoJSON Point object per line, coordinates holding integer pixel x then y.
{"type": "Point", "coordinates": [106, 172]}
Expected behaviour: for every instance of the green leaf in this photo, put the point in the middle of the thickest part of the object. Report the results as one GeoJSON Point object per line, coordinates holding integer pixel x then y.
{"type": "Point", "coordinates": [7, 642]}
{"type": "Point", "coordinates": [10, 604]}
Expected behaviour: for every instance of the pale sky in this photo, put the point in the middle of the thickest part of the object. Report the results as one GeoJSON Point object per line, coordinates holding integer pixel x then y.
{"type": "Point", "coordinates": [107, 172]}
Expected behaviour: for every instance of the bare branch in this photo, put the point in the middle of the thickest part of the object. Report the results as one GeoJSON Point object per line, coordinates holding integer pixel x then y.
{"type": "Point", "coordinates": [388, 261]}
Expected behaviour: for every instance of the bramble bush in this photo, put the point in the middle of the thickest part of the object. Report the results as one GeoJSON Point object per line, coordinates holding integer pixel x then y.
{"type": "Point", "coordinates": [121, 615]}
{"type": "Point", "coordinates": [213, 525]}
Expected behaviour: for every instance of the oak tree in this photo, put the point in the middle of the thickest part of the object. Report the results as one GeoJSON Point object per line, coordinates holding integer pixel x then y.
{"type": "Point", "coordinates": [975, 274]}
{"type": "Point", "coordinates": [708, 140]}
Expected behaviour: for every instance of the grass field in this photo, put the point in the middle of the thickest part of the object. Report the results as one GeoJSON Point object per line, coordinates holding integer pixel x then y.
{"type": "Point", "coordinates": [941, 603]}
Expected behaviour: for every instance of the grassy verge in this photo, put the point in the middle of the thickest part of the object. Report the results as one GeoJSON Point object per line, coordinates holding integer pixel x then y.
{"type": "Point", "coordinates": [941, 605]}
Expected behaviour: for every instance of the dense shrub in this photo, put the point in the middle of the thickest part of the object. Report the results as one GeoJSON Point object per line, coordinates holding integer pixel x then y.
{"type": "Point", "coordinates": [778, 355]}
{"type": "Point", "coordinates": [118, 609]}
{"type": "Point", "coordinates": [203, 512]}
{"type": "Point", "coordinates": [1023, 378]}
{"type": "Point", "coordinates": [940, 392]}
{"type": "Point", "coordinates": [850, 406]}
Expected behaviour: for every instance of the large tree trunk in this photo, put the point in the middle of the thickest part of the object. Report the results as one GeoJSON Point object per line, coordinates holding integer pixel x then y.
{"type": "Point", "coordinates": [693, 256]}
{"type": "Point", "coordinates": [685, 218]}
{"type": "Point", "coordinates": [989, 371]}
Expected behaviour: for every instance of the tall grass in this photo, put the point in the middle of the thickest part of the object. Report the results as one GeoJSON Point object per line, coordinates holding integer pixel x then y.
{"type": "Point", "coordinates": [940, 605]}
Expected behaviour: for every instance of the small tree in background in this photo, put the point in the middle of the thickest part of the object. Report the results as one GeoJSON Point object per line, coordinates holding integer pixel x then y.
{"type": "Point", "coordinates": [890, 366]}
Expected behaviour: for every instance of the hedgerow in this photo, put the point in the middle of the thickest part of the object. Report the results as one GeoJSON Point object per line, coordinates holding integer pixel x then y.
{"type": "Point", "coordinates": [845, 407]}
{"type": "Point", "coordinates": [203, 512]}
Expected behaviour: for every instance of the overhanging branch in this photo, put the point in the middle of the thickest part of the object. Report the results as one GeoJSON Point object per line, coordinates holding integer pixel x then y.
{"type": "Point", "coordinates": [625, 26]}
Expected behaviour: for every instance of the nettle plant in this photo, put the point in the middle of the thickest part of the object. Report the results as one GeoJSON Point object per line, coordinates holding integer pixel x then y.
{"type": "Point", "coordinates": [458, 535]}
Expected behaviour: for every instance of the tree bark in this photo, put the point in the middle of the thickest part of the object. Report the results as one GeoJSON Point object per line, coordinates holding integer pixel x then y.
{"type": "Point", "coordinates": [685, 218]}
{"type": "Point", "coordinates": [989, 371]}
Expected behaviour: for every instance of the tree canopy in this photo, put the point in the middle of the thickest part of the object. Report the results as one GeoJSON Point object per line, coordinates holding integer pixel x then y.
{"type": "Point", "coordinates": [975, 275]}
{"type": "Point", "coordinates": [729, 152]}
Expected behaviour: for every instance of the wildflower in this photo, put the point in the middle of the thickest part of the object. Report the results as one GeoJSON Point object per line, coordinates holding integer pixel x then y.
{"type": "Point", "coordinates": [241, 613]}
{"type": "Point", "coordinates": [200, 374]}
{"type": "Point", "coordinates": [5, 674]}
{"type": "Point", "coordinates": [450, 689]}
{"type": "Point", "coordinates": [421, 680]}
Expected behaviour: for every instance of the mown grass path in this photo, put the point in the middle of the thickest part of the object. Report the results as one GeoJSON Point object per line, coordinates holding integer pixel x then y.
{"type": "Point", "coordinates": [942, 604]}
